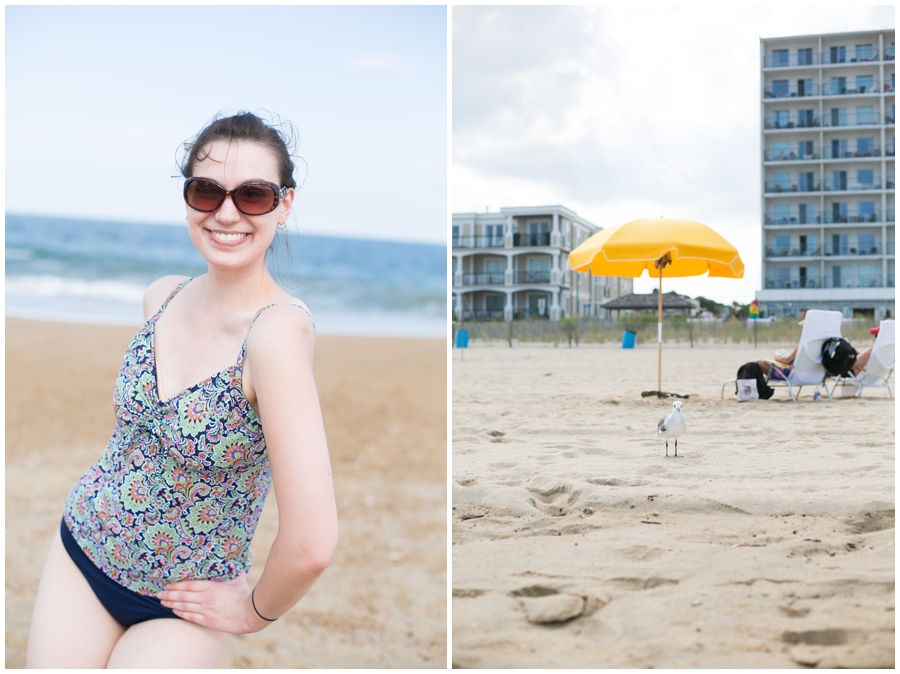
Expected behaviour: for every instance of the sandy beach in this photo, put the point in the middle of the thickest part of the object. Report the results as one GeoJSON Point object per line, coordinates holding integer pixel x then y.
{"type": "Point", "coordinates": [382, 602]}
{"type": "Point", "coordinates": [769, 542]}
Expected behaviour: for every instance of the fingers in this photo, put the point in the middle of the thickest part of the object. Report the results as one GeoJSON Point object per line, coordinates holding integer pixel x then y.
{"type": "Point", "coordinates": [198, 618]}
{"type": "Point", "coordinates": [183, 596]}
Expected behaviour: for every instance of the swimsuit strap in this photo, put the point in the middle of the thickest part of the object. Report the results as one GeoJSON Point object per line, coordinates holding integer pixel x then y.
{"type": "Point", "coordinates": [244, 346]}
{"type": "Point", "coordinates": [169, 298]}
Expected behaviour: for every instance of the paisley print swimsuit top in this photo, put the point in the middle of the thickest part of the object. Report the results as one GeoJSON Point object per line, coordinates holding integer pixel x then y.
{"type": "Point", "coordinates": [178, 492]}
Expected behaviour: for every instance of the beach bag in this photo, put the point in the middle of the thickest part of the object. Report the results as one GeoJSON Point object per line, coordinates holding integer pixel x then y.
{"type": "Point", "coordinates": [838, 357]}
{"type": "Point", "coordinates": [752, 370]}
{"type": "Point", "coordinates": [746, 390]}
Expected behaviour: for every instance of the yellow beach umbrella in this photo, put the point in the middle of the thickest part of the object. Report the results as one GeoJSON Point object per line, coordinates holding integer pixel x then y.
{"type": "Point", "coordinates": [662, 246]}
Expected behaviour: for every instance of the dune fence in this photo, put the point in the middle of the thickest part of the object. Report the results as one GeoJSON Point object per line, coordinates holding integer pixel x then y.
{"type": "Point", "coordinates": [592, 332]}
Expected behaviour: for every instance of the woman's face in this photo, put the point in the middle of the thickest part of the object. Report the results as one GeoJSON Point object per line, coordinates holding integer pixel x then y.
{"type": "Point", "coordinates": [226, 237]}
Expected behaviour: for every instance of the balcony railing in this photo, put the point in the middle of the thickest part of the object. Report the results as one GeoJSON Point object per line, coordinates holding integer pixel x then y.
{"type": "Point", "coordinates": [832, 250]}
{"type": "Point", "coordinates": [477, 242]}
{"type": "Point", "coordinates": [541, 276]}
{"type": "Point", "coordinates": [791, 283]}
{"type": "Point", "coordinates": [776, 187]}
{"type": "Point", "coordinates": [854, 281]}
{"type": "Point", "coordinates": [853, 186]}
{"type": "Point", "coordinates": [791, 91]}
{"type": "Point", "coordinates": [851, 216]}
{"type": "Point", "coordinates": [531, 313]}
{"type": "Point", "coordinates": [889, 53]}
{"type": "Point", "coordinates": [849, 56]}
{"type": "Point", "coordinates": [791, 155]}
{"type": "Point", "coordinates": [850, 153]}
{"type": "Point", "coordinates": [541, 239]}
{"type": "Point", "coordinates": [889, 215]}
{"type": "Point", "coordinates": [889, 248]}
{"type": "Point", "coordinates": [797, 58]}
{"type": "Point", "coordinates": [795, 219]}
{"type": "Point", "coordinates": [494, 279]}
{"type": "Point", "coordinates": [888, 118]}
{"type": "Point", "coordinates": [889, 88]}
{"type": "Point", "coordinates": [804, 122]}
{"type": "Point", "coordinates": [850, 89]}
{"type": "Point", "coordinates": [849, 119]}
{"type": "Point", "coordinates": [775, 251]}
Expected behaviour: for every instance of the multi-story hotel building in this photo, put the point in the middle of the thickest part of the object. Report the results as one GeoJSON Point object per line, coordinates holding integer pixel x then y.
{"type": "Point", "coordinates": [515, 264]}
{"type": "Point", "coordinates": [827, 179]}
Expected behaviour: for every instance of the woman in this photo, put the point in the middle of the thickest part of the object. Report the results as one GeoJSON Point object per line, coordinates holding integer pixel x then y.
{"type": "Point", "coordinates": [149, 567]}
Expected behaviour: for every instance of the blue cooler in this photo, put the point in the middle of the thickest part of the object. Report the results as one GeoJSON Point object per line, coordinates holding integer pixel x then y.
{"type": "Point", "coordinates": [628, 339]}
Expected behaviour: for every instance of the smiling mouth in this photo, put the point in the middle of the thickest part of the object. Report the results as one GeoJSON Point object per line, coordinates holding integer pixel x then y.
{"type": "Point", "coordinates": [227, 237]}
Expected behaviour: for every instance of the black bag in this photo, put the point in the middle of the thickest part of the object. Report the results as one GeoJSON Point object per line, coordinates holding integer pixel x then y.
{"type": "Point", "coordinates": [838, 356]}
{"type": "Point", "coordinates": [752, 370]}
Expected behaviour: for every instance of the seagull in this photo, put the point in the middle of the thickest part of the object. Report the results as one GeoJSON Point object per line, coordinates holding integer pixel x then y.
{"type": "Point", "coordinates": [672, 426]}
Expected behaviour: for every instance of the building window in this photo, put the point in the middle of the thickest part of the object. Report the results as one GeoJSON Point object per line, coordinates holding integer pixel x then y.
{"type": "Point", "coordinates": [867, 243]}
{"type": "Point", "coordinates": [837, 55]}
{"type": "Point", "coordinates": [838, 86]}
{"type": "Point", "coordinates": [866, 210]}
{"type": "Point", "coordinates": [781, 213]}
{"type": "Point", "coordinates": [782, 245]}
{"type": "Point", "coordinates": [804, 57]}
{"type": "Point", "coordinates": [781, 149]}
{"type": "Point", "coordinates": [780, 88]}
{"type": "Point", "coordinates": [865, 83]}
{"type": "Point", "coordinates": [780, 57]}
{"type": "Point", "coordinates": [865, 52]}
{"type": "Point", "coordinates": [781, 118]}
{"type": "Point", "coordinates": [866, 178]}
{"type": "Point", "coordinates": [868, 276]}
{"type": "Point", "coordinates": [455, 235]}
{"type": "Point", "coordinates": [494, 304]}
{"type": "Point", "coordinates": [838, 116]}
{"type": "Point", "coordinates": [864, 146]}
{"type": "Point", "coordinates": [782, 181]}
{"type": "Point", "coordinates": [865, 114]}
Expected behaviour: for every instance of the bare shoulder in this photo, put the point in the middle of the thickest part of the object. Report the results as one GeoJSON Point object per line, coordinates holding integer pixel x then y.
{"type": "Point", "coordinates": [158, 291]}
{"type": "Point", "coordinates": [282, 330]}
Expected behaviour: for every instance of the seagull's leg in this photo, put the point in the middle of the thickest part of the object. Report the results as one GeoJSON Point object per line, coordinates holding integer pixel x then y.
{"type": "Point", "coordinates": [667, 448]}
{"type": "Point", "coordinates": [676, 447]}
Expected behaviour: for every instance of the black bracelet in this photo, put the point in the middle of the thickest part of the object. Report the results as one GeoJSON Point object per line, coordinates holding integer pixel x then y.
{"type": "Point", "coordinates": [252, 601]}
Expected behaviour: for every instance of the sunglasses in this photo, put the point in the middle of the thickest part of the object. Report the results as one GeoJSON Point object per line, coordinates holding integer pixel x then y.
{"type": "Point", "coordinates": [254, 198]}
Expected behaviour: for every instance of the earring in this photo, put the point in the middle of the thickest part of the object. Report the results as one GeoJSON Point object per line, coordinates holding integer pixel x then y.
{"type": "Point", "coordinates": [281, 225]}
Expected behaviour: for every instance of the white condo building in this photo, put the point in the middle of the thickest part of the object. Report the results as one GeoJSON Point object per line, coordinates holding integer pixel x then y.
{"type": "Point", "coordinates": [515, 264]}
{"type": "Point", "coordinates": [827, 182]}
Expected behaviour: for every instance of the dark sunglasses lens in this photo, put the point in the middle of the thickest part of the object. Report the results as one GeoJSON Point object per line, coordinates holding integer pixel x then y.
{"type": "Point", "coordinates": [255, 199]}
{"type": "Point", "coordinates": [204, 196]}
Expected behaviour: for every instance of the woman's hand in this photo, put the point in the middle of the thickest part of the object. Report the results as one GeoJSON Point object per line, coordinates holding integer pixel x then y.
{"type": "Point", "coordinates": [222, 606]}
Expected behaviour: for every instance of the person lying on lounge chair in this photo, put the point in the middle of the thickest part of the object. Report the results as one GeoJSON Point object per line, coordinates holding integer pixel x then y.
{"type": "Point", "coordinates": [861, 359]}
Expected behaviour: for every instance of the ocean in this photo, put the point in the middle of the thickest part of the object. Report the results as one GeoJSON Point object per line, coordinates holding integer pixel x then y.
{"type": "Point", "coordinates": [90, 271]}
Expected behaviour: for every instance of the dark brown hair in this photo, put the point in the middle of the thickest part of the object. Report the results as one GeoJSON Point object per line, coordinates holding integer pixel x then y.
{"type": "Point", "coordinates": [244, 126]}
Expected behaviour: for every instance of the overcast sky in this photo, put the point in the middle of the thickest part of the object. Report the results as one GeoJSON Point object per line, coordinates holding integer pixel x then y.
{"type": "Point", "coordinates": [620, 113]}
{"type": "Point", "coordinates": [98, 100]}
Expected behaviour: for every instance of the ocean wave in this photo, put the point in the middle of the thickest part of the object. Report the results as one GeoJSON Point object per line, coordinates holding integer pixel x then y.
{"type": "Point", "coordinates": [58, 287]}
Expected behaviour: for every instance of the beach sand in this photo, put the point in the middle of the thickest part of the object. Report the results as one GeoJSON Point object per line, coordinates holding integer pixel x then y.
{"type": "Point", "coordinates": [769, 542]}
{"type": "Point", "coordinates": [381, 603]}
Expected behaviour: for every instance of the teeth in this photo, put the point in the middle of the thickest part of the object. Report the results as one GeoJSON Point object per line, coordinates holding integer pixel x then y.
{"type": "Point", "coordinates": [228, 238]}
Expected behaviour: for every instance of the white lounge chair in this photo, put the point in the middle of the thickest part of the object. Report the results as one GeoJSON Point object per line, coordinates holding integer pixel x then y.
{"type": "Point", "coordinates": [878, 369]}
{"type": "Point", "coordinates": [808, 369]}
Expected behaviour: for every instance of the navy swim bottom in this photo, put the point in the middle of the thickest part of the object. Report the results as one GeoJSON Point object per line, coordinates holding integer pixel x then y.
{"type": "Point", "coordinates": [127, 607]}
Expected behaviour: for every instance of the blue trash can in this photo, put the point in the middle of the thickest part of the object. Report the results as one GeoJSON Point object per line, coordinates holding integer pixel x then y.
{"type": "Point", "coordinates": [628, 339]}
{"type": "Point", "coordinates": [462, 339]}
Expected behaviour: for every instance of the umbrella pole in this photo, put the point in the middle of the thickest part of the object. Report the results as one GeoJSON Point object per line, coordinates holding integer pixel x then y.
{"type": "Point", "coordinates": [659, 335]}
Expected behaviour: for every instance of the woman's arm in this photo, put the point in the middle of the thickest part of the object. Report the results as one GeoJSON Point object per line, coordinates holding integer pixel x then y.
{"type": "Point", "coordinates": [278, 381]}
{"type": "Point", "coordinates": [788, 360]}
{"type": "Point", "coordinates": [279, 363]}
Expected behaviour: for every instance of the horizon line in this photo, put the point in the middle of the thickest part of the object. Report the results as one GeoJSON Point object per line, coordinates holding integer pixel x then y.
{"type": "Point", "coordinates": [157, 223]}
